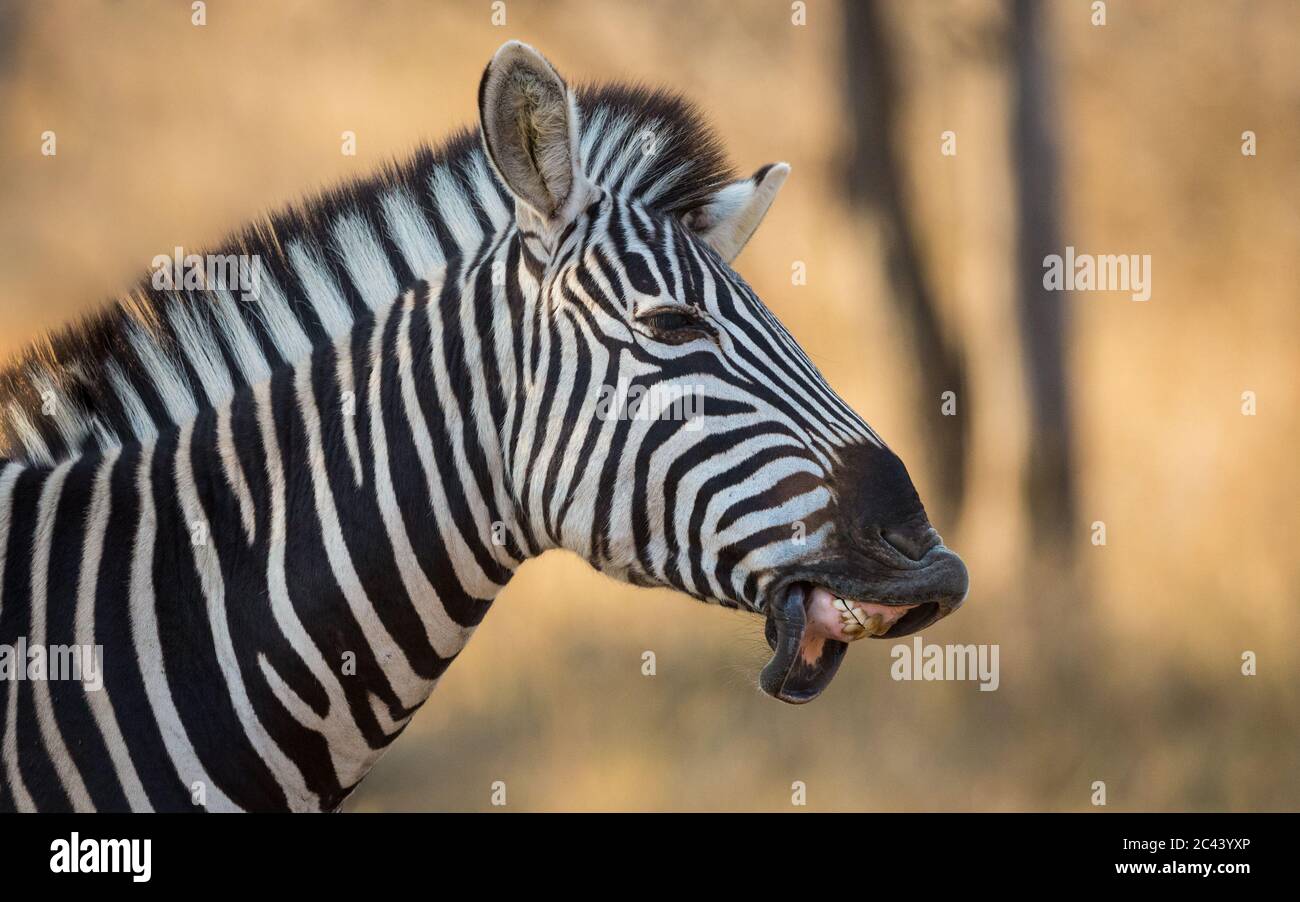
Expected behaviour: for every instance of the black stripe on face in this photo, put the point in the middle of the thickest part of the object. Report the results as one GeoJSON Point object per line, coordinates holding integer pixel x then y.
{"type": "Point", "coordinates": [610, 273]}
{"type": "Point", "coordinates": [760, 372]}
{"type": "Point", "coordinates": [688, 261]}
{"type": "Point", "coordinates": [602, 510]}
{"type": "Point", "coordinates": [572, 336]}
{"type": "Point", "coordinates": [731, 556]}
{"type": "Point", "coordinates": [740, 305]}
{"type": "Point", "coordinates": [713, 486]}
{"type": "Point", "coordinates": [639, 276]}
{"type": "Point", "coordinates": [788, 487]}
{"type": "Point", "coordinates": [655, 436]}
{"type": "Point", "coordinates": [547, 420]}
{"type": "Point", "coordinates": [770, 497]}
{"type": "Point", "coordinates": [585, 458]}
{"type": "Point", "coordinates": [615, 306]}
{"type": "Point", "coordinates": [643, 229]}
{"type": "Point", "coordinates": [682, 465]}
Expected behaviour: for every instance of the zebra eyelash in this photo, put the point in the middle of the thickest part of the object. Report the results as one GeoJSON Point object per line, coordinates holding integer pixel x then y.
{"type": "Point", "coordinates": [677, 325]}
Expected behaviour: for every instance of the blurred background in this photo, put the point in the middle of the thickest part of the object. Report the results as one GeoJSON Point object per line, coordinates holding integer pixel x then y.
{"type": "Point", "coordinates": [1120, 663]}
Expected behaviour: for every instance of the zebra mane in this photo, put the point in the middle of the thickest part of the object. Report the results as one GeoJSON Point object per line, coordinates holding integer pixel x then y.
{"type": "Point", "coordinates": [158, 356]}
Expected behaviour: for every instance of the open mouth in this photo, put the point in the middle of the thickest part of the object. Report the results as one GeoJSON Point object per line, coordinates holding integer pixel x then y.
{"type": "Point", "coordinates": [830, 616]}
{"type": "Point", "coordinates": [810, 622]}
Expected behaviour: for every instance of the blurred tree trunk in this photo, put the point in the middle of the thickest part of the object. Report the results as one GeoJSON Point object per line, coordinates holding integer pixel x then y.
{"type": "Point", "coordinates": [1049, 478]}
{"type": "Point", "coordinates": [10, 23]}
{"type": "Point", "coordinates": [875, 184]}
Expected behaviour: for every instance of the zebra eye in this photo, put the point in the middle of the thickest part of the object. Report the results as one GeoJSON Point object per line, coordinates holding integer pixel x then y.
{"type": "Point", "coordinates": [670, 322]}
{"type": "Point", "coordinates": [675, 325]}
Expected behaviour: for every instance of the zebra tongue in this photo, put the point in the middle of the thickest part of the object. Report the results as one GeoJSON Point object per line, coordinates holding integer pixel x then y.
{"type": "Point", "coordinates": [826, 619]}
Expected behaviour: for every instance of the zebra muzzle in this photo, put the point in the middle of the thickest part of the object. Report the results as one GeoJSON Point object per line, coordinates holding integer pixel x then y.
{"type": "Point", "coordinates": [810, 629]}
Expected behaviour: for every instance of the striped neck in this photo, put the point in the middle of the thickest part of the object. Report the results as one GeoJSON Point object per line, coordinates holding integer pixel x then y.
{"type": "Point", "coordinates": [277, 584]}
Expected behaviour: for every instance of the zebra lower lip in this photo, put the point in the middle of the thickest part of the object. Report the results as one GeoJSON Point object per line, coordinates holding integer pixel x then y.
{"type": "Point", "coordinates": [803, 659]}
{"type": "Point", "coordinates": [809, 627]}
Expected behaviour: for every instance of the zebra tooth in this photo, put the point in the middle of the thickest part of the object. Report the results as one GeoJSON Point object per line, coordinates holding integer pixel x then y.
{"type": "Point", "coordinates": [841, 604]}
{"type": "Point", "coordinates": [854, 630]}
{"type": "Point", "coordinates": [876, 625]}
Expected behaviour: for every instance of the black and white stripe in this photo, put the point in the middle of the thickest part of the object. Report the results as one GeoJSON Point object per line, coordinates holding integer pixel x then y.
{"type": "Point", "coordinates": [282, 520]}
{"type": "Point", "coordinates": [154, 357]}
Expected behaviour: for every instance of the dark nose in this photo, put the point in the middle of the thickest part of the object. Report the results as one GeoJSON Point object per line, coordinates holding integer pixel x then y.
{"type": "Point", "coordinates": [888, 540]}
{"type": "Point", "coordinates": [913, 541]}
{"type": "Point", "coordinates": [885, 513]}
{"type": "Point", "coordinates": [879, 498]}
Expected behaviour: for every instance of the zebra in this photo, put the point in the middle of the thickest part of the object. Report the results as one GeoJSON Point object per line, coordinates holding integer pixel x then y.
{"type": "Point", "coordinates": [278, 522]}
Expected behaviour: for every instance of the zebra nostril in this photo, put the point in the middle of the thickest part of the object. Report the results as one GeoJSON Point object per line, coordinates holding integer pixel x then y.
{"type": "Point", "coordinates": [911, 543]}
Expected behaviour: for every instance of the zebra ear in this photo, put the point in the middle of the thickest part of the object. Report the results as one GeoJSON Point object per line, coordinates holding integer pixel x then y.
{"type": "Point", "coordinates": [530, 126]}
{"type": "Point", "coordinates": [729, 218]}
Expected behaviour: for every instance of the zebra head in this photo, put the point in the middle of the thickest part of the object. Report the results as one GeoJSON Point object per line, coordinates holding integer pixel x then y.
{"type": "Point", "coordinates": [670, 430]}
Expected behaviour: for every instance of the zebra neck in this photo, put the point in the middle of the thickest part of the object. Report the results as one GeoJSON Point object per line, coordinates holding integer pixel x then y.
{"type": "Point", "coordinates": [277, 585]}
{"type": "Point", "coordinates": [385, 517]}
{"type": "Point", "coordinates": [366, 496]}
